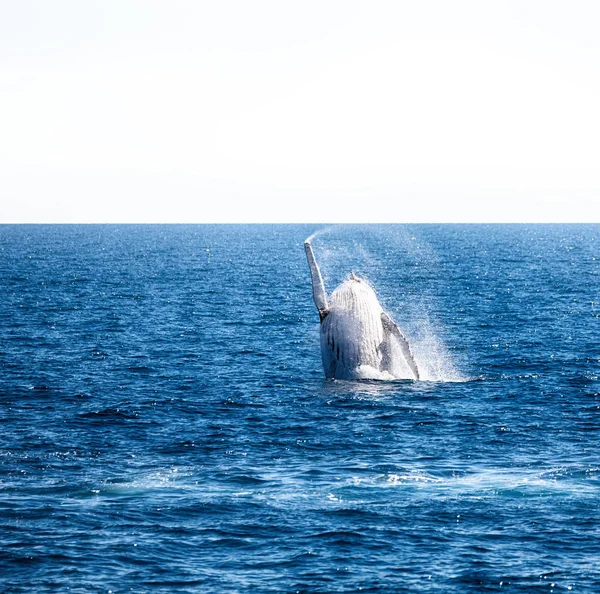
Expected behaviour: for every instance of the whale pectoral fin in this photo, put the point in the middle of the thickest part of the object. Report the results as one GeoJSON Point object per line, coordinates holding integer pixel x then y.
{"type": "Point", "coordinates": [390, 327]}
{"type": "Point", "coordinates": [319, 294]}
{"type": "Point", "coordinates": [385, 351]}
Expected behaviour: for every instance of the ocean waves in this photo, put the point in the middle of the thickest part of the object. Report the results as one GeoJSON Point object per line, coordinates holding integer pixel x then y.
{"type": "Point", "coordinates": [166, 425]}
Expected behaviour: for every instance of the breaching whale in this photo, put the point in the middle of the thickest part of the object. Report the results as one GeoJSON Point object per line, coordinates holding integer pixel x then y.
{"type": "Point", "coordinates": [357, 337]}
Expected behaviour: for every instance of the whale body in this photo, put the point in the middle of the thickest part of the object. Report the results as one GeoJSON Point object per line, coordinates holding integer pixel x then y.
{"type": "Point", "coordinates": [358, 339]}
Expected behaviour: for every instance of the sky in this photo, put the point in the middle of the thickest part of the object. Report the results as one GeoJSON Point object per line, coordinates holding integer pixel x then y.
{"type": "Point", "coordinates": [285, 111]}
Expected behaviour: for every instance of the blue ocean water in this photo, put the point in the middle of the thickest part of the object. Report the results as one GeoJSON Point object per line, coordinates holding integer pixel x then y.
{"type": "Point", "coordinates": [165, 425]}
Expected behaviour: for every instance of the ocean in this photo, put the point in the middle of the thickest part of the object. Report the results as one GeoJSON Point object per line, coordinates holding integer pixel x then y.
{"type": "Point", "coordinates": [166, 426]}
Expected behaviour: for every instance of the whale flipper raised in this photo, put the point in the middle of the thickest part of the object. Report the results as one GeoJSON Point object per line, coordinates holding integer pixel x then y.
{"type": "Point", "coordinates": [391, 329]}
{"type": "Point", "coordinates": [319, 294]}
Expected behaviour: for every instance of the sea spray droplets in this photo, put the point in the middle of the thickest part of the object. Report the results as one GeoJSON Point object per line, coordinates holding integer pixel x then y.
{"type": "Point", "coordinates": [318, 233]}
{"type": "Point", "coordinates": [432, 355]}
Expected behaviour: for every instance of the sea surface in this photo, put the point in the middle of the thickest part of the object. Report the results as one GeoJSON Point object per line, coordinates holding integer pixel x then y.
{"type": "Point", "coordinates": [165, 424]}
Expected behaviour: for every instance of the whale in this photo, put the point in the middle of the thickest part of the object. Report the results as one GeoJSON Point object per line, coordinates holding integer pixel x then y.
{"type": "Point", "coordinates": [358, 339]}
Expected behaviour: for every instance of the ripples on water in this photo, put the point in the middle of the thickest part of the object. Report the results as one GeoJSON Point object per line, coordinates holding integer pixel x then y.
{"type": "Point", "coordinates": [165, 425]}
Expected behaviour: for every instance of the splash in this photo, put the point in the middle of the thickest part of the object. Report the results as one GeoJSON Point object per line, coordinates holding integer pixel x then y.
{"type": "Point", "coordinates": [432, 354]}
{"type": "Point", "coordinates": [425, 337]}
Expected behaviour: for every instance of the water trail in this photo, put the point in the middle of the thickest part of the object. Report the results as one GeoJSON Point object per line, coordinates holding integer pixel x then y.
{"type": "Point", "coordinates": [318, 233]}
{"type": "Point", "coordinates": [338, 258]}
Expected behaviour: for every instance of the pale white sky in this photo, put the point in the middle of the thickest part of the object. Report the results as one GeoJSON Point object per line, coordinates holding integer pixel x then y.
{"type": "Point", "coordinates": [313, 111]}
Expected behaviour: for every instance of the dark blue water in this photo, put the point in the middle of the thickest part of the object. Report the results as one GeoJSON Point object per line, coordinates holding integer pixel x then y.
{"type": "Point", "coordinates": [165, 425]}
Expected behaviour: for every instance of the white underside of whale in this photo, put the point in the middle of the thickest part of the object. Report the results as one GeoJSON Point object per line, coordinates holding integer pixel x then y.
{"type": "Point", "coordinates": [355, 343]}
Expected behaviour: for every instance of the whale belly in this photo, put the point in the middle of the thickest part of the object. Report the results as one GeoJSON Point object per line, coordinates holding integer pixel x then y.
{"type": "Point", "coordinates": [350, 342]}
